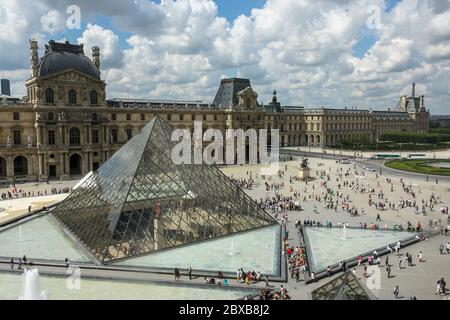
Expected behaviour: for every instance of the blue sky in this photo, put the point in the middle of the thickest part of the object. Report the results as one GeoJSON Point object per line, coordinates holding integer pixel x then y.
{"type": "Point", "coordinates": [183, 48]}
{"type": "Point", "coordinates": [230, 9]}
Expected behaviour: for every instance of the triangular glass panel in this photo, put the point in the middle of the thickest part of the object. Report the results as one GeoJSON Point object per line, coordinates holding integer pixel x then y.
{"type": "Point", "coordinates": [345, 287]}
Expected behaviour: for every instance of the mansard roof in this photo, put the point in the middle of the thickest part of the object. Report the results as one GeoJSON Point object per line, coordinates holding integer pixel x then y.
{"type": "Point", "coordinates": [65, 56]}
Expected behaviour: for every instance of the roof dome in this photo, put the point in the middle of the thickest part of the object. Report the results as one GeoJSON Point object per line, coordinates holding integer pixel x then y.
{"type": "Point", "coordinates": [65, 56]}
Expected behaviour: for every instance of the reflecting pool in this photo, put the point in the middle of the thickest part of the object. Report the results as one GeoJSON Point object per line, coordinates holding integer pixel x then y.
{"type": "Point", "coordinates": [39, 238]}
{"type": "Point", "coordinates": [257, 250]}
{"type": "Point", "coordinates": [328, 246]}
{"type": "Point", "coordinates": [92, 289]}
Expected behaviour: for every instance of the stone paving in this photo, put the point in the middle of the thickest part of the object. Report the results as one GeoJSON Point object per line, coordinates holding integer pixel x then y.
{"type": "Point", "coordinates": [18, 207]}
{"type": "Point", "coordinates": [420, 280]}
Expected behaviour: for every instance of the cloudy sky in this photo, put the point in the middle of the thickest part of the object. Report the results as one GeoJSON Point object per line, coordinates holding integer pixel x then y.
{"type": "Point", "coordinates": [334, 53]}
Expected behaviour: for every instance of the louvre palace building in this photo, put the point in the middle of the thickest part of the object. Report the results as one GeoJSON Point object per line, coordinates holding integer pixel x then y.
{"type": "Point", "coordinates": [65, 127]}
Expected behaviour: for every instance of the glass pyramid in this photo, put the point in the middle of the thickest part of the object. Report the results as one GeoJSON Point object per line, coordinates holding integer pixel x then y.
{"type": "Point", "coordinates": [139, 201]}
{"type": "Point", "coordinates": [345, 287]}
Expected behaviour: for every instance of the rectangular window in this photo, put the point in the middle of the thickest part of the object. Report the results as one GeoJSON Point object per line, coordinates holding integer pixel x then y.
{"type": "Point", "coordinates": [181, 117]}
{"type": "Point", "coordinates": [193, 117]}
{"type": "Point", "coordinates": [129, 133]}
{"type": "Point", "coordinates": [142, 117]}
{"type": "Point", "coordinates": [95, 136]}
{"type": "Point", "coordinates": [128, 116]}
{"type": "Point", "coordinates": [113, 136]}
{"type": "Point", "coordinates": [113, 116]}
{"type": "Point", "coordinates": [169, 117]}
{"type": "Point", "coordinates": [51, 138]}
{"type": "Point", "coordinates": [17, 137]}
{"type": "Point", "coordinates": [16, 116]}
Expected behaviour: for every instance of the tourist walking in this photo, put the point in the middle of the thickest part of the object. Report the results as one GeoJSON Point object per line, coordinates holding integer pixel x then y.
{"type": "Point", "coordinates": [177, 275]}
{"type": "Point", "coordinates": [420, 256]}
{"type": "Point", "coordinates": [396, 292]}
{"type": "Point", "coordinates": [190, 273]}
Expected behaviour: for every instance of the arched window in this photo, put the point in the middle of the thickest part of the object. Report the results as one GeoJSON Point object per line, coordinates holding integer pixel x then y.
{"type": "Point", "coordinates": [248, 103]}
{"type": "Point", "coordinates": [74, 136]}
{"type": "Point", "coordinates": [72, 96]}
{"type": "Point", "coordinates": [49, 96]}
{"type": "Point", "coordinates": [94, 97]}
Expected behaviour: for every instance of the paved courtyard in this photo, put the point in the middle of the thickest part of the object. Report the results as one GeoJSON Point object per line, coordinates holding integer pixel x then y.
{"type": "Point", "coordinates": [18, 207]}
{"type": "Point", "coordinates": [419, 280]}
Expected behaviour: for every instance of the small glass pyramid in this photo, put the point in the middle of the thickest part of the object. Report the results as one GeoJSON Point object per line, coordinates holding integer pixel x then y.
{"type": "Point", "coordinates": [345, 287]}
{"type": "Point", "coordinates": [139, 201]}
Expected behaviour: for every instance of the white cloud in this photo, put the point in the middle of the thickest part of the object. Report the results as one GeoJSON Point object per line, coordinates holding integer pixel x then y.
{"type": "Point", "coordinates": [94, 35]}
{"type": "Point", "coordinates": [52, 22]}
{"type": "Point", "coordinates": [303, 48]}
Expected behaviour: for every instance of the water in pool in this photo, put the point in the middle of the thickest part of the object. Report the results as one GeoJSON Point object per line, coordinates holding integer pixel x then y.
{"type": "Point", "coordinates": [254, 250]}
{"type": "Point", "coordinates": [91, 289]}
{"type": "Point", "coordinates": [328, 246]}
{"type": "Point", "coordinates": [39, 238]}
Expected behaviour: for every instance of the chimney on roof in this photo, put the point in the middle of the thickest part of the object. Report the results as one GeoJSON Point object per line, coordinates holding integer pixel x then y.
{"type": "Point", "coordinates": [96, 57]}
{"type": "Point", "coordinates": [34, 57]}
{"type": "Point", "coordinates": [414, 90]}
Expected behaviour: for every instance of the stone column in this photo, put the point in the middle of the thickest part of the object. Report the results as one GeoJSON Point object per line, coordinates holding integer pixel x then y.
{"type": "Point", "coordinates": [86, 163]}
{"type": "Point", "coordinates": [67, 165]}
{"type": "Point", "coordinates": [61, 165]}
{"type": "Point", "coordinates": [61, 135]}
{"type": "Point", "coordinates": [9, 167]}
{"type": "Point", "coordinates": [38, 135]}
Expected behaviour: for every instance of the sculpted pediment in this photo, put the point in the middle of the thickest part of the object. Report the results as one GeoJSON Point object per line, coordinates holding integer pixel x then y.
{"type": "Point", "coordinates": [71, 75]}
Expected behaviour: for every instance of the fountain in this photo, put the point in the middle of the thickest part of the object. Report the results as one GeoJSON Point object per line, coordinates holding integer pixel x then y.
{"type": "Point", "coordinates": [231, 253]}
{"type": "Point", "coordinates": [31, 289]}
{"type": "Point", "coordinates": [344, 232]}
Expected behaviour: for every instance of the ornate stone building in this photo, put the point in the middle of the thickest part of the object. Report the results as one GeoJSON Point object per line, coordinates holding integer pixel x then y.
{"type": "Point", "coordinates": [65, 127]}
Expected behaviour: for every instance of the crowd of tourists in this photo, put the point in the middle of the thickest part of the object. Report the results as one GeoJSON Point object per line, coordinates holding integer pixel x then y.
{"type": "Point", "coordinates": [15, 193]}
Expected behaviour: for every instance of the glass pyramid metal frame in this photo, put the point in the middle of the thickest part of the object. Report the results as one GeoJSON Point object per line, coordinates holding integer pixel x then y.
{"type": "Point", "coordinates": [139, 201]}
{"type": "Point", "coordinates": [345, 287]}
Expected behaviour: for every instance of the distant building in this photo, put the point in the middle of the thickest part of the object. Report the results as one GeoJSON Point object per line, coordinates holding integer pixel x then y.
{"type": "Point", "coordinates": [5, 87]}
{"type": "Point", "coordinates": [441, 120]}
{"type": "Point", "coordinates": [65, 127]}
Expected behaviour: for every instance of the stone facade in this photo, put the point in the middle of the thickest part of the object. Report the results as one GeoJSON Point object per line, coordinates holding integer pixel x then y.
{"type": "Point", "coordinates": [65, 127]}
